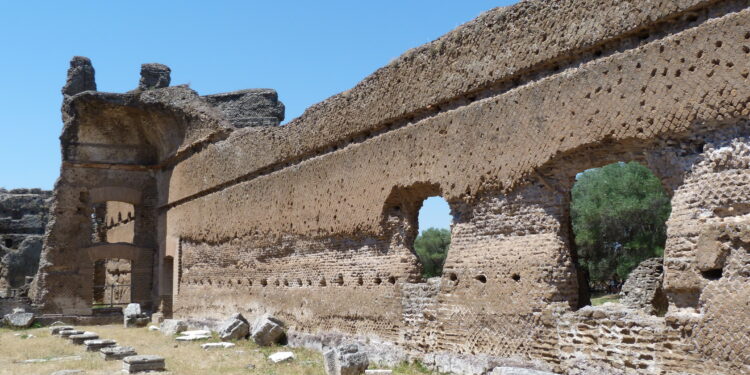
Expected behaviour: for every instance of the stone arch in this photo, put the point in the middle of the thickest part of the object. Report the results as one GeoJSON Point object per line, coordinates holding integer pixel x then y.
{"type": "Point", "coordinates": [400, 218]}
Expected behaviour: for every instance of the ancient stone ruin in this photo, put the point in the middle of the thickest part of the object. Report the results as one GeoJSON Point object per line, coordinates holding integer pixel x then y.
{"type": "Point", "coordinates": [219, 210]}
{"type": "Point", "coordinates": [23, 217]}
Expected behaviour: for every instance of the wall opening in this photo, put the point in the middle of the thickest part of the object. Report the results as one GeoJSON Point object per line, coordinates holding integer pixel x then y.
{"type": "Point", "coordinates": [618, 219]}
{"type": "Point", "coordinates": [8, 242]}
{"type": "Point", "coordinates": [112, 283]}
{"type": "Point", "coordinates": [433, 241]}
{"type": "Point", "coordinates": [113, 222]}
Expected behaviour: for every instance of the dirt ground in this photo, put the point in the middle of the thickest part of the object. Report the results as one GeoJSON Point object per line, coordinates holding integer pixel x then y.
{"type": "Point", "coordinates": [181, 357]}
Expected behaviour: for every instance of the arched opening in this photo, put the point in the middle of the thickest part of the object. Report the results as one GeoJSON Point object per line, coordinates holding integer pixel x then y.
{"type": "Point", "coordinates": [618, 218]}
{"type": "Point", "coordinates": [433, 241]}
{"type": "Point", "coordinates": [112, 283]}
{"type": "Point", "coordinates": [113, 222]}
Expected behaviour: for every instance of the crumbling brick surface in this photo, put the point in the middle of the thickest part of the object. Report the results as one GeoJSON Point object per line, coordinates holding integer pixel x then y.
{"type": "Point", "coordinates": [314, 221]}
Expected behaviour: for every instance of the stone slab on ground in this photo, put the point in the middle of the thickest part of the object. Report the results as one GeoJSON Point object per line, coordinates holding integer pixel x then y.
{"type": "Point", "coordinates": [142, 363]}
{"type": "Point", "coordinates": [518, 371]}
{"type": "Point", "coordinates": [214, 345]}
{"type": "Point", "coordinates": [97, 344]}
{"type": "Point", "coordinates": [55, 330]}
{"type": "Point", "coordinates": [378, 372]}
{"type": "Point", "coordinates": [193, 337]}
{"type": "Point", "coordinates": [67, 372]}
{"type": "Point", "coordinates": [281, 357]}
{"type": "Point", "coordinates": [69, 332]}
{"type": "Point", "coordinates": [52, 359]}
{"type": "Point", "coordinates": [18, 320]}
{"type": "Point", "coordinates": [117, 352]}
{"type": "Point", "coordinates": [79, 339]}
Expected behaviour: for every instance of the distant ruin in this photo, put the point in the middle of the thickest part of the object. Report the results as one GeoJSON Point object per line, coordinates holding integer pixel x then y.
{"type": "Point", "coordinates": [23, 217]}
{"type": "Point", "coordinates": [218, 210]}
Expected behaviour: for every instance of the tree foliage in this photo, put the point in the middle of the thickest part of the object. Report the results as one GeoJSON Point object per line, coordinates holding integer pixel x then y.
{"type": "Point", "coordinates": [619, 213]}
{"type": "Point", "coordinates": [432, 247]}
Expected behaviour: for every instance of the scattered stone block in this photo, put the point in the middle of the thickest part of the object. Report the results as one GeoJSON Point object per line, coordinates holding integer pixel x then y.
{"type": "Point", "coordinates": [52, 359]}
{"type": "Point", "coordinates": [193, 337]}
{"type": "Point", "coordinates": [134, 317]}
{"type": "Point", "coordinates": [157, 318]}
{"type": "Point", "coordinates": [55, 330]}
{"type": "Point", "coordinates": [153, 328]}
{"type": "Point", "coordinates": [67, 372]}
{"type": "Point", "coordinates": [213, 345]}
{"type": "Point", "coordinates": [235, 328]}
{"type": "Point", "coordinates": [345, 360]}
{"type": "Point", "coordinates": [267, 330]}
{"type": "Point", "coordinates": [69, 332]}
{"type": "Point", "coordinates": [117, 352]}
{"type": "Point", "coordinates": [97, 344]}
{"type": "Point", "coordinates": [142, 363]}
{"type": "Point", "coordinates": [378, 372]}
{"type": "Point", "coordinates": [18, 319]}
{"type": "Point", "coordinates": [171, 327]}
{"type": "Point", "coordinates": [281, 357]}
{"type": "Point", "coordinates": [79, 339]}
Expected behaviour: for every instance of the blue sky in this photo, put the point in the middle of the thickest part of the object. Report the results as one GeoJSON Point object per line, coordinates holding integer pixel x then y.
{"type": "Point", "coordinates": [305, 50]}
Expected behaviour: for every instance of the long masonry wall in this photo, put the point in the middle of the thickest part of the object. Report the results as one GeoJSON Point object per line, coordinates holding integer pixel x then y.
{"type": "Point", "coordinates": [314, 221]}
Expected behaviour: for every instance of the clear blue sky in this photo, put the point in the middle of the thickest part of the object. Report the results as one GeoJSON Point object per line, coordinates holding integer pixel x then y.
{"type": "Point", "coordinates": [306, 50]}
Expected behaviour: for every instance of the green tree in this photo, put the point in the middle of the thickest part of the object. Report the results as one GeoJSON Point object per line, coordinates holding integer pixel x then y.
{"type": "Point", "coordinates": [432, 247]}
{"type": "Point", "coordinates": [619, 213]}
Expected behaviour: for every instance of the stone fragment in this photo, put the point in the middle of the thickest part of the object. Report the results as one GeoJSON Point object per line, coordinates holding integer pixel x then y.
{"type": "Point", "coordinates": [52, 359]}
{"type": "Point", "coordinates": [518, 371]}
{"type": "Point", "coordinates": [97, 344]}
{"type": "Point", "coordinates": [193, 337]}
{"type": "Point", "coordinates": [141, 363]}
{"type": "Point", "coordinates": [281, 357]}
{"type": "Point", "coordinates": [267, 330]}
{"type": "Point", "coordinates": [345, 360]}
{"type": "Point", "coordinates": [154, 76]}
{"type": "Point", "coordinates": [18, 320]}
{"type": "Point", "coordinates": [171, 327]}
{"type": "Point", "coordinates": [378, 372]}
{"type": "Point", "coordinates": [213, 345]}
{"type": "Point", "coordinates": [79, 339]}
{"type": "Point", "coordinates": [117, 352]}
{"type": "Point", "coordinates": [80, 76]}
{"type": "Point", "coordinates": [157, 318]}
{"type": "Point", "coordinates": [67, 372]}
{"type": "Point", "coordinates": [134, 317]}
{"type": "Point", "coordinates": [235, 328]}
{"type": "Point", "coordinates": [197, 332]}
{"type": "Point", "coordinates": [153, 328]}
{"type": "Point", "coordinates": [56, 329]}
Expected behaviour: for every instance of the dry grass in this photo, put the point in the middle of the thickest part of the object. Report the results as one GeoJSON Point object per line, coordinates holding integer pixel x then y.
{"type": "Point", "coordinates": [181, 357]}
